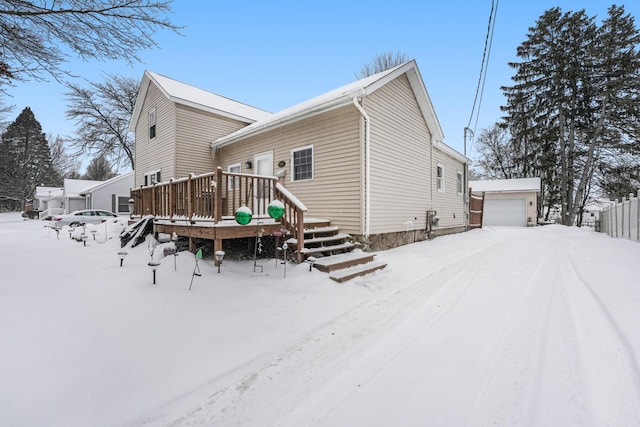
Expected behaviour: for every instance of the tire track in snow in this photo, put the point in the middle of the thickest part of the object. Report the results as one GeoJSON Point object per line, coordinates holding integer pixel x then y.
{"type": "Point", "coordinates": [319, 362]}
{"type": "Point", "coordinates": [607, 360]}
{"type": "Point", "coordinates": [519, 367]}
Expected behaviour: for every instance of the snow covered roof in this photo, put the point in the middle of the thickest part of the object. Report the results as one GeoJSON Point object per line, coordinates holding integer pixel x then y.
{"type": "Point", "coordinates": [44, 193]}
{"type": "Point", "coordinates": [102, 184]}
{"type": "Point", "coordinates": [506, 185]}
{"type": "Point", "coordinates": [343, 96]}
{"type": "Point", "coordinates": [74, 187]}
{"type": "Point", "coordinates": [182, 93]}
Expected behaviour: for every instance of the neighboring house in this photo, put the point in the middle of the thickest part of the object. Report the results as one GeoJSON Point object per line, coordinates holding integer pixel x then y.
{"type": "Point", "coordinates": [592, 209]}
{"type": "Point", "coordinates": [72, 199]}
{"type": "Point", "coordinates": [111, 195]}
{"type": "Point", "coordinates": [48, 201]}
{"type": "Point", "coordinates": [509, 202]}
{"type": "Point", "coordinates": [368, 156]}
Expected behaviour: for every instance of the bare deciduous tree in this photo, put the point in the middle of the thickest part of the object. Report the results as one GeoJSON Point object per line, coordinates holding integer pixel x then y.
{"type": "Point", "coordinates": [62, 162]}
{"type": "Point", "coordinates": [381, 62]}
{"type": "Point", "coordinates": [99, 169]}
{"type": "Point", "coordinates": [101, 113]}
{"type": "Point", "coordinates": [36, 36]}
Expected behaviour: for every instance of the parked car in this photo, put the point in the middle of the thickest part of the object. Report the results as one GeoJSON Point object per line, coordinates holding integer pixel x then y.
{"type": "Point", "coordinates": [87, 216]}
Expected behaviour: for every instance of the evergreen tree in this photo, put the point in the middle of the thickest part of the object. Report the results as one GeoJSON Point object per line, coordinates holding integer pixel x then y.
{"type": "Point", "coordinates": [574, 101]}
{"type": "Point", "coordinates": [25, 161]}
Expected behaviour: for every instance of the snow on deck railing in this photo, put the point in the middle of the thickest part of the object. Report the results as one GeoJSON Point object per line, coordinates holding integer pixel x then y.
{"type": "Point", "coordinates": [621, 219]}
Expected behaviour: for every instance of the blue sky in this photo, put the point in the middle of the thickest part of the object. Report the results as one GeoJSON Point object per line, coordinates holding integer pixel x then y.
{"type": "Point", "coordinates": [273, 55]}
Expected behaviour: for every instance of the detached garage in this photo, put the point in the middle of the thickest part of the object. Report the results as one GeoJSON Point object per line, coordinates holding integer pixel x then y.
{"type": "Point", "coordinates": [509, 202]}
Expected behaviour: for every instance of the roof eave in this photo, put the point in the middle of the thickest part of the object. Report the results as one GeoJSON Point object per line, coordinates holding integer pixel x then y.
{"type": "Point", "coordinates": [285, 120]}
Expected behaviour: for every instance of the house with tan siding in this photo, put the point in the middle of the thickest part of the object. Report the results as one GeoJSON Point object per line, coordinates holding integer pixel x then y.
{"type": "Point", "coordinates": [368, 156]}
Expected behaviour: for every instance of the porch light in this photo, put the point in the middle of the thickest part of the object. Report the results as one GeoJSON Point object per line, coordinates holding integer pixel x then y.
{"type": "Point", "coordinates": [154, 266]}
{"type": "Point", "coordinates": [248, 164]}
{"type": "Point", "coordinates": [218, 256]}
{"type": "Point", "coordinates": [122, 255]}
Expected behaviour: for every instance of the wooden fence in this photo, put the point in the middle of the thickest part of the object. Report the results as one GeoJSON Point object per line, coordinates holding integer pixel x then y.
{"type": "Point", "coordinates": [476, 209]}
{"type": "Point", "coordinates": [622, 219]}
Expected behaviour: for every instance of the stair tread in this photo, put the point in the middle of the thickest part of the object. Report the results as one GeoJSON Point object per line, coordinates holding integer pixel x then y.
{"type": "Point", "coordinates": [340, 258]}
{"type": "Point", "coordinates": [358, 270]}
{"type": "Point", "coordinates": [339, 236]}
{"type": "Point", "coordinates": [327, 229]}
{"type": "Point", "coordinates": [320, 249]}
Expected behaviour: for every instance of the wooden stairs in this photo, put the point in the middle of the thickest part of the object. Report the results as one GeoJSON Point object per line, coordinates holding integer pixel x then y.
{"type": "Point", "coordinates": [333, 252]}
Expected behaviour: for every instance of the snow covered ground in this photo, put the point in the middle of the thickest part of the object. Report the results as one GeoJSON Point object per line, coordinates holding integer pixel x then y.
{"type": "Point", "coordinates": [494, 326]}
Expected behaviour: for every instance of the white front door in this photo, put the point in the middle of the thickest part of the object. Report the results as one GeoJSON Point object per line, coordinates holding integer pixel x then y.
{"type": "Point", "coordinates": [264, 167]}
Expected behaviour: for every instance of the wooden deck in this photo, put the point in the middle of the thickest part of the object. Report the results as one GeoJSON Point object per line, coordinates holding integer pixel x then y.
{"type": "Point", "coordinates": [204, 206]}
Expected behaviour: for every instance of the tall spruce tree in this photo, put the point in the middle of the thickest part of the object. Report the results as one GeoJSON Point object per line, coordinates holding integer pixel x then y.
{"type": "Point", "coordinates": [575, 99]}
{"type": "Point", "coordinates": [25, 161]}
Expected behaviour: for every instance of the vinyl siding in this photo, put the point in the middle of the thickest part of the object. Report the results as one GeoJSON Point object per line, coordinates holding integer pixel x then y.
{"type": "Point", "coordinates": [195, 130]}
{"type": "Point", "coordinates": [335, 191]}
{"type": "Point", "coordinates": [102, 197]}
{"type": "Point", "coordinates": [449, 204]}
{"type": "Point", "coordinates": [158, 153]}
{"type": "Point", "coordinates": [400, 159]}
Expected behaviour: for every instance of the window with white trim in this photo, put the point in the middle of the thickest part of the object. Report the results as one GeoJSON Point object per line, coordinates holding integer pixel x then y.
{"type": "Point", "coordinates": [302, 163]}
{"type": "Point", "coordinates": [234, 181]}
{"type": "Point", "coordinates": [122, 206]}
{"type": "Point", "coordinates": [440, 177]}
{"type": "Point", "coordinates": [152, 123]}
{"type": "Point", "coordinates": [459, 182]}
{"type": "Point", "coordinates": [152, 178]}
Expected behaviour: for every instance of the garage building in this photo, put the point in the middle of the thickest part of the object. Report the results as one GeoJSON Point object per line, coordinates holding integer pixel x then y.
{"type": "Point", "coordinates": [509, 202]}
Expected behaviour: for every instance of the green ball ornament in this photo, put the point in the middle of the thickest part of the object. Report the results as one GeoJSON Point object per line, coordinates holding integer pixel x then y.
{"type": "Point", "coordinates": [276, 209]}
{"type": "Point", "coordinates": [243, 215]}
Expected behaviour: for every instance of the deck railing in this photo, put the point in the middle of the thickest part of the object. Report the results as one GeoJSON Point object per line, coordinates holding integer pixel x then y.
{"type": "Point", "coordinates": [214, 197]}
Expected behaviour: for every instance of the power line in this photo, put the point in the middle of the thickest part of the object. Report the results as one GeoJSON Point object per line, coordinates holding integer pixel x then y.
{"type": "Point", "coordinates": [483, 68]}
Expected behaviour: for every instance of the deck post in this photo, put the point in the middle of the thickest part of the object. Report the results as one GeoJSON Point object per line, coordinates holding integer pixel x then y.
{"type": "Point", "coordinates": [300, 234]}
{"type": "Point", "coordinates": [170, 196]}
{"type": "Point", "coordinates": [217, 216]}
{"type": "Point", "coordinates": [189, 201]}
{"type": "Point", "coordinates": [141, 199]}
{"type": "Point", "coordinates": [153, 200]}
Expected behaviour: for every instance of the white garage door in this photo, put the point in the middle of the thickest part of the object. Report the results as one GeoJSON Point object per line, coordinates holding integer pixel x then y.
{"type": "Point", "coordinates": [509, 212]}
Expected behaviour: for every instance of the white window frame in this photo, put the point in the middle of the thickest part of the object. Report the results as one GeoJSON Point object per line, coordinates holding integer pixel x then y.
{"type": "Point", "coordinates": [459, 182]}
{"type": "Point", "coordinates": [231, 184]}
{"type": "Point", "coordinates": [440, 178]}
{"type": "Point", "coordinates": [153, 177]}
{"type": "Point", "coordinates": [153, 121]}
{"type": "Point", "coordinates": [293, 165]}
{"type": "Point", "coordinates": [126, 197]}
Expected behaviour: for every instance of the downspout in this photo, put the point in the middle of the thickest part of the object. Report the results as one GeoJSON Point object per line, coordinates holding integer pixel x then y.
{"type": "Point", "coordinates": [367, 173]}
